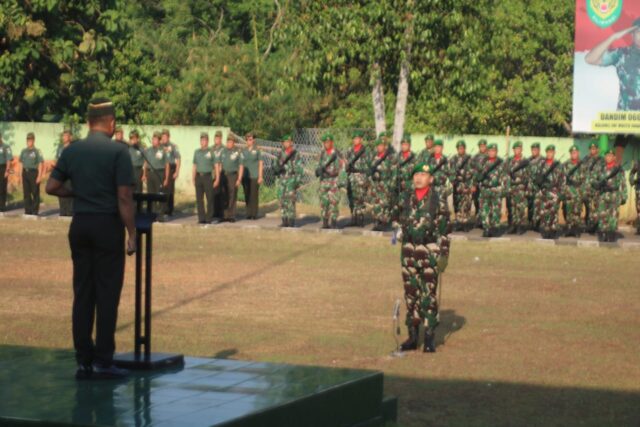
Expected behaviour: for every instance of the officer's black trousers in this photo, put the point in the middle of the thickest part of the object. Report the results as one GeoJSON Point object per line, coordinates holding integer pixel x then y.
{"type": "Point", "coordinates": [97, 251]}
{"type": "Point", "coordinates": [204, 189]}
{"type": "Point", "coordinates": [232, 194]}
{"type": "Point", "coordinates": [220, 197]}
{"type": "Point", "coordinates": [66, 203]}
{"type": "Point", "coordinates": [251, 193]}
{"type": "Point", "coordinates": [31, 191]}
{"type": "Point", "coordinates": [137, 177]}
{"type": "Point", "coordinates": [171, 189]}
{"type": "Point", "coordinates": [3, 188]}
{"type": "Point", "coordinates": [154, 184]}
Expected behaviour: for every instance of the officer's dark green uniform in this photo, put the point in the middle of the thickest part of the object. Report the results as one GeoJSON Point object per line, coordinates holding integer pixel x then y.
{"type": "Point", "coordinates": [31, 159]}
{"type": "Point", "coordinates": [65, 203]}
{"type": "Point", "coordinates": [230, 161]}
{"type": "Point", "coordinates": [203, 160]}
{"type": "Point", "coordinates": [173, 156]}
{"type": "Point", "coordinates": [137, 161]}
{"type": "Point", "coordinates": [156, 168]}
{"type": "Point", "coordinates": [251, 161]}
{"type": "Point", "coordinates": [220, 192]}
{"type": "Point", "coordinates": [96, 167]}
{"type": "Point", "coordinates": [6, 156]}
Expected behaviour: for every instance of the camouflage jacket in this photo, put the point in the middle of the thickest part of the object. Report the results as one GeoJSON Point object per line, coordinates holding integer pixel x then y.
{"type": "Point", "coordinates": [292, 170]}
{"type": "Point", "coordinates": [405, 169]}
{"type": "Point", "coordinates": [574, 174]}
{"type": "Point", "coordinates": [358, 166]}
{"type": "Point", "coordinates": [549, 177]}
{"type": "Point", "coordinates": [461, 172]}
{"type": "Point", "coordinates": [424, 155]}
{"type": "Point", "coordinates": [329, 165]}
{"type": "Point", "coordinates": [384, 171]}
{"type": "Point", "coordinates": [477, 162]}
{"type": "Point", "coordinates": [517, 173]}
{"type": "Point", "coordinates": [634, 176]}
{"type": "Point", "coordinates": [613, 185]}
{"type": "Point", "coordinates": [593, 167]}
{"type": "Point", "coordinates": [424, 221]}
{"type": "Point", "coordinates": [490, 175]}
{"type": "Point", "coordinates": [532, 171]}
{"type": "Point", "coordinates": [441, 176]}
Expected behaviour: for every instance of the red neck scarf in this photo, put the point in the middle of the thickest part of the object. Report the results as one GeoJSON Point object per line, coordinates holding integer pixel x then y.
{"type": "Point", "coordinates": [517, 158]}
{"type": "Point", "coordinates": [611, 165]}
{"type": "Point", "coordinates": [329, 151]}
{"type": "Point", "coordinates": [549, 162]}
{"type": "Point", "coordinates": [422, 193]}
{"type": "Point", "coordinates": [381, 155]}
{"type": "Point", "coordinates": [357, 147]}
{"type": "Point", "coordinates": [405, 154]}
{"type": "Point", "coordinates": [575, 162]}
{"type": "Point", "coordinates": [288, 150]}
{"type": "Point", "coordinates": [491, 159]}
{"type": "Point", "coordinates": [438, 156]}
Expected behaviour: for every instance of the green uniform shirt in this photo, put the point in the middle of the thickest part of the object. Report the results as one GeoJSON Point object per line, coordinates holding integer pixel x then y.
{"type": "Point", "coordinates": [252, 159]}
{"type": "Point", "coordinates": [172, 152]}
{"type": "Point", "coordinates": [5, 154]}
{"type": "Point", "coordinates": [96, 167]}
{"type": "Point", "coordinates": [31, 158]}
{"type": "Point", "coordinates": [137, 161]}
{"type": "Point", "coordinates": [231, 159]}
{"type": "Point", "coordinates": [156, 157]}
{"type": "Point", "coordinates": [203, 159]}
{"type": "Point", "coordinates": [217, 152]}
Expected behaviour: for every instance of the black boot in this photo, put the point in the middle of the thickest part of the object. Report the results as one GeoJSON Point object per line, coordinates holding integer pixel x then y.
{"type": "Point", "coordinates": [412, 342]}
{"type": "Point", "coordinates": [284, 222]}
{"type": "Point", "coordinates": [334, 225]}
{"type": "Point", "coordinates": [576, 232]}
{"type": "Point", "coordinates": [325, 223]}
{"type": "Point", "coordinates": [512, 229]}
{"type": "Point", "coordinates": [429, 341]}
{"type": "Point", "coordinates": [613, 236]}
{"type": "Point", "coordinates": [638, 231]}
{"type": "Point", "coordinates": [486, 233]}
{"type": "Point", "coordinates": [291, 222]}
{"type": "Point", "coordinates": [522, 229]}
{"type": "Point", "coordinates": [601, 237]}
{"type": "Point", "coordinates": [361, 220]}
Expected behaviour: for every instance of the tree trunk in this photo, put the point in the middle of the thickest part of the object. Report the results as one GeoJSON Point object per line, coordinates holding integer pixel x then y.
{"type": "Point", "coordinates": [403, 83]}
{"type": "Point", "coordinates": [377, 94]}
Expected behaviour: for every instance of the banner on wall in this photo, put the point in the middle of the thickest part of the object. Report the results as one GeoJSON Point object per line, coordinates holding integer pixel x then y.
{"type": "Point", "coordinates": [606, 73]}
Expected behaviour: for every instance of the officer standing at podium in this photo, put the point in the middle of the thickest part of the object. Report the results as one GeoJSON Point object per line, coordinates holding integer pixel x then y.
{"type": "Point", "coordinates": [101, 177]}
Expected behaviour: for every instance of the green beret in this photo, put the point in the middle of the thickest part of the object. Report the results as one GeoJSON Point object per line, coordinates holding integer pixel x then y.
{"type": "Point", "coordinates": [31, 135]}
{"type": "Point", "coordinates": [379, 141]}
{"type": "Point", "coordinates": [517, 144]}
{"type": "Point", "coordinates": [218, 133]}
{"type": "Point", "coordinates": [593, 145]}
{"type": "Point", "coordinates": [326, 137]}
{"type": "Point", "coordinates": [421, 168]}
{"type": "Point", "coordinates": [492, 146]}
{"type": "Point", "coordinates": [550, 147]}
{"type": "Point", "coordinates": [100, 107]}
{"type": "Point", "coordinates": [133, 133]}
{"type": "Point", "coordinates": [461, 143]}
{"type": "Point", "coordinates": [406, 138]}
{"type": "Point", "coordinates": [535, 145]}
{"type": "Point", "coordinates": [438, 142]}
{"type": "Point", "coordinates": [204, 135]}
{"type": "Point", "coordinates": [287, 137]}
{"type": "Point", "coordinates": [609, 151]}
{"type": "Point", "coordinates": [156, 134]}
{"type": "Point", "coordinates": [428, 137]}
{"type": "Point", "coordinates": [573, 148]}
{"type": "Point", "coordinates": [165, 132]}
{"type": "Point", "coordinates": [482, 142]}
{"type": "Point", "coordinates": [357, 134]}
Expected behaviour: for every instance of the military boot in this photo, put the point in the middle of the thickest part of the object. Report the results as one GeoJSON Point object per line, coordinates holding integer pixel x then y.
{"type": "Point", "coordinates": [361, 220]}
{"type": "Point", "coordinates": [601, 236]}
{"type": "Point", "coordinates": [512, 229]}
{"type": "Point", "coordinates": [325, 223]}
{"type": "Point", "coordinates": [412, 342]}
{"type": "Point", "coordinates": [429, 341]}
{"type": "Point", "coordinates": [612, 236]}
{"type": "Point", "coordinates": [334, 224]}
{"type": "Point", "coordinates": [522, 229]}
{"type": "Point", "coordinates": [486, 233]}
{"type": "Point", "coordinates": [291, 222]}
{"type": "Point", "coordinates": [638, 231]}
{"type": "Point", "coordinates": [284, 222]}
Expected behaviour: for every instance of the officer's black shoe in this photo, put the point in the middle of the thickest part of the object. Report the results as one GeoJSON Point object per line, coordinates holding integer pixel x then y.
{"type": "Point", "coordinates": [429, 341]}
{"type": "Point", "coordinates": [412, 342]}
{"type": "Point", "coordinates": [84, 372]}
{"type": "Point", "coordinates": [110, 372]}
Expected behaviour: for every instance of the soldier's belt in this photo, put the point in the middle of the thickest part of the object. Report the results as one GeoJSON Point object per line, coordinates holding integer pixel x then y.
{"type": "Point", "coordinates": [203, 173]}
{"type": "Point", "coordinates": [425, 240]}
{"type": "Point", "coordinates": [29, 170]}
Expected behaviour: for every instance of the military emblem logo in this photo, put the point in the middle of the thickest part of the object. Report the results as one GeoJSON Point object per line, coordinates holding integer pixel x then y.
{"type": "Point", "coordinates": [604, 13]}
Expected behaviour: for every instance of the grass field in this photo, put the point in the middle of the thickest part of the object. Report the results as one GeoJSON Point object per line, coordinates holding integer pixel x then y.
{"type": "Point", "coordinates": [535, 334]}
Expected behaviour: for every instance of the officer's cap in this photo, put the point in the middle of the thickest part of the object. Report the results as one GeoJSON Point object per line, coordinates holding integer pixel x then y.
{"type": "Point", "coordinates": [357, 134]}
{"type": "Point", "coordinates": [231, 138]}
{"type": "Point", "coordinates": [461, 143]}
{"type": "Point", "coordinates": [204, 135]}
{"type": "Point", "coordinates": [550, 147]}
{"type": "Point", "coordinates": [428, 137]}
{"type": "Point", "coordinates": [31, 135]}
{"type": "Point", "coordinates": [573, 148]}
{"type": "Point", "coordinates": [535, 145]}
{"type": "Point", "coordinates": [157, 134]}
{"type": "Point", "coordinates": [165, 132]}
{"type": "Point", "coordinates": [492, 146]}
{"type": "Point", "coordinates": [438, 142]}
{"type": "Point", "coordinates": [517, 144]}
{"type": "Point", "coordinates": [100, 107]}
{"type": "Point", "coordinates": [326, 137]}
{"type": "Point", "coordinates": [421, 168]}
{"type": "Point", "coordinates": [482, 142]}
{"type": "Point", "coordinates": [406, 138]}
{"type": "Point", "coordinates": [218, 133]}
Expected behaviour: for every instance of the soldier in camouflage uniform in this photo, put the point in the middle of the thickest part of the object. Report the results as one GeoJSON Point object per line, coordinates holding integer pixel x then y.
{"type": "Point", "coordinates": [383, 179]}
{"type": "Point", "coordinates": [439, 164]}
{"type": "Point", "coordinates": [358, 159]}
{"type": "Point", "coordinates": [424, 155]}
{"type": "Point", "coordinates": [477, 162]}
{"type": "Point", "coordinates": [517, 179]}
{"type": "Point", "coordinates": [491, 180]}
{"type": "Point", "coordinates": [461, 177]}
{"type": "Point", "coordinates": [424, 256]}
{"type": "Point", "coordinates": [549, 181]}
{"type": "Point", "coordinates": [535, 162]}
{"type": "Point", "coordinates": [612, 189]}
{"type": "Point", "coordinates": [634, 181]}
{"type": "Point", "coordinates": [593, 166]}
{"type": "Point", "coordinates": [406, 161]}
{"type": "Point", "coordinates": [572, 195]}
{"type": "Point", "coordinates": [289, 172]}
{"type": "Point", "coordinates": [328, 171]}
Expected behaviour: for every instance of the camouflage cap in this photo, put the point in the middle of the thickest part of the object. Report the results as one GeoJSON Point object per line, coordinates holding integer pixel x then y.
{"type": "Point", "coordinates": [517, 144]}
{"type": "Point", "coordinates": [438, 142]}
{"type": "Point", "coordinates": [286, 137]}
{"type": "Point", "coordinates": [218, 133]}
{"type": "Point", "coordinates": [204, 135]}
{"type": "Point", "coordinates": [535, 145]}
{"type": "Point", "coordinates": [406, 138]}
{"type": "Point", "coordinates": [133, 133]}
{"type": "Point", "coordinates": [357, 134]}
{"type": "Point", "coordinates": [550, 147]}
{"type": "Point", "coordinates": [165, 131]}
{"type": "Point", "coordinates": [573, 148]}
{"type": "Point", "coordinates": [482, 142]}
{"type": "Point", "coordinates": [157, 134]}
{"type": "Point", "coordinates": [492, 146]}
{"type": "Point", "coordinates": [326, 137]}
{"type": "Point", "coordinates": [461, 143]}
{"type": "Point", "coordinates": [31, 135]}
{"type": "Point", "coordinates": [428, 137]}
{"type": "Point", "coordinates": [421, 168]}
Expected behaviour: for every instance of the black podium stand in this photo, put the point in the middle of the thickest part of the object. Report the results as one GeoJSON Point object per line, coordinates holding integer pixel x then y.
{"type": "Point", "coordinates": [143, 358]}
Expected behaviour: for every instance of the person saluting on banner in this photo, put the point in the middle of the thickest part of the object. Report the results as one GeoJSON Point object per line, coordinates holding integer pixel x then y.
{"type": "Point", "coordinates": [627, 63]}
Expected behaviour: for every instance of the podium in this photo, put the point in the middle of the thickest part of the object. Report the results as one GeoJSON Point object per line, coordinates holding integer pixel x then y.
{"type": "Point", "coordinates": [142, 358]}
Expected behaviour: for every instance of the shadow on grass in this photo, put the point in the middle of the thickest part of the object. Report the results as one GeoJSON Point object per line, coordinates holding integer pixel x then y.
{"type": "Point", "coordinates": [225, 354]}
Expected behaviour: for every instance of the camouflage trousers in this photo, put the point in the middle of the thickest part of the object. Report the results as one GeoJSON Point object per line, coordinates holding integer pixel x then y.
{"type": "Point", "coordinates": [462, 202]}
{"type": "Point", "coordinates": [490, 205]}
{"type": "Point", "coordinates": [329, 199]}
{"type": "Point", "coordinates": [607, 212]}
{"type": "Point", "coordinates": [547, 206]}
{"type": "Point", "coordinates": [381, 202]}
{"type": "Point", "coordinates": [591, 200]}
{"type": "Point", "coordinates": [359, 187]}
{"type": "Point", "coordinates": [638, 205]}
{"type": "Point", "coordinates": [420, 278]}
{"type": "Point", "coordinates": [572, 207]}
{"type": "Point", "coordinates": [517, 201]}
{"type": "Point", "coordinates": [287, 194]}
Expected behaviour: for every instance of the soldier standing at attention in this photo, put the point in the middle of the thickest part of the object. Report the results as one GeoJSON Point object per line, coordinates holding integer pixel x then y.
{"type": "Point", "coordinates": [461, 175]}
{"type": "Point", "coordinates": [424, 155]}
{"type": "Point", "coordinates": [328, 170]}
{"type": "Point", "coordinates": [289, 172]}
{"type": "Point", "coordinates": [101, 176]}
{"type": "Point", "coordinates": [593, 167]}
{"type": "Point", "coordinates": [6, 157]}
{"type": "Point", "coordinates": [491, 181]}
{"type": "Point", "coordinates": [517, 190]}
{"type": "Point", "coordinates": [549, 181]}
{"type": "Point", "coordinates": [65, 203]}
{"type": "Point", "coordinates": [202, 178]}
{"type": "Point", "coordinates": [252, 179]}
{"type": "Point", "coordinates": [156, 171]}
{"type": "Point", "coordinates": [137, 161]}
{"type": "Point", "coordinates": [383, 179]}
{"type": "Point", "coordinates": [424, 256]}
{"type": "Point", "coordinates": [358, 159]}
{"type": "Point", "coordinates": [634, 181]}
{"type": "Point", "coordinates": [406, 161]}
{"type": "Point", "coordinates": [219, 192]}
{"type": "Point", "coordinates": [32, 171]}
{"type": "Point", "coordinates": [118, 136]}
{"type": "Point", "coordinates": [440, 172]}
{"type": "Point", "coordinates": [535, 163]}
{"type": "Point", "coordinates": [573, 171]}
{"type": "Point", "coordinates": [230, 169]}
{"type": "Point", "coordinates": [612, 188]}
{"type": "Point", "coordinates": [478, 162]}
{"type": "Point", "coordinates": [174, 159]}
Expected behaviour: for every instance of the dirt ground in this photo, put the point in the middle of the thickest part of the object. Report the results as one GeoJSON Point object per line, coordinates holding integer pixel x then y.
{"type": "Point", "coordinates": [531, 334]}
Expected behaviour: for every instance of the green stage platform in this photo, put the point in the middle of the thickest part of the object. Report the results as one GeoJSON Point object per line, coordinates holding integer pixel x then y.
{"type": "Point", "coordinates": [37, 388]}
